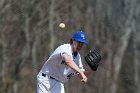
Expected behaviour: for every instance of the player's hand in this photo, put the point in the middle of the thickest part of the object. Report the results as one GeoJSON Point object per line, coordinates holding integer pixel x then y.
{"type": "Point", "coordinates": [84, 78]}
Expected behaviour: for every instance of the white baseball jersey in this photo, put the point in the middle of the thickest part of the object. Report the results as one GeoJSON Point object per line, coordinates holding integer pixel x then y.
{"type": "Point", "coordinates": [56, 67]}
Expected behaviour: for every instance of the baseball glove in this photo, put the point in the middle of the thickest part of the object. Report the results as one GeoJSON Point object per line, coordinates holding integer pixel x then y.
{"type": "Point", "coordinates": [93, 59]}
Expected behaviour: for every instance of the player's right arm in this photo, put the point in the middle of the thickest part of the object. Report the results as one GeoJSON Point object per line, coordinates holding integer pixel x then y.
{"type": "Point", "coordinates": [73, 65]}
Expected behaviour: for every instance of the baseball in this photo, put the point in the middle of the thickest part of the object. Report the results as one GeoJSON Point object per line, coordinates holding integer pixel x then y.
{"type": "Point", "coordinates": [62, 25]}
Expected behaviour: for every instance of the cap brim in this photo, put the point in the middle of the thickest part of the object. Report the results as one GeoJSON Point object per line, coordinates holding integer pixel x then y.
{"type": "Point", "coordinates": [83, 41]}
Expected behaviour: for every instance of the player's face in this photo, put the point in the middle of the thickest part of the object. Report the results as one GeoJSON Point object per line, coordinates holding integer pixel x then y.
{"type": "Point", "coordinates": [77, 45]}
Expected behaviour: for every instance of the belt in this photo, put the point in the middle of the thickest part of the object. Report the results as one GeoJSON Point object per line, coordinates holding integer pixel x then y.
{"type": "Point", "coordinates": [44, 75]}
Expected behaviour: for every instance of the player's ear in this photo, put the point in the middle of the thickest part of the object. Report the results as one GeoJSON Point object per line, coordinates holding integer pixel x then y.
{"type": "Point", "coordinates": [71, 40]}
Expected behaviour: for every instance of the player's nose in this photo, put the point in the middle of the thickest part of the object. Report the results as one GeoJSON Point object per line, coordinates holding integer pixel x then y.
{"type": "Point", "coordinates": [80, 44]}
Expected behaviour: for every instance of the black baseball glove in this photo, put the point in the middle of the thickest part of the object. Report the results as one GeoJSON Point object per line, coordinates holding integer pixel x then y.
{"type": "Point", "coordinates": [93, 59]}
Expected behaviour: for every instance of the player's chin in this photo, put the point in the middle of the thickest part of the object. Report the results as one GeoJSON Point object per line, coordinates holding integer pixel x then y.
{"type": "Point", "coordinates": [79, 48]}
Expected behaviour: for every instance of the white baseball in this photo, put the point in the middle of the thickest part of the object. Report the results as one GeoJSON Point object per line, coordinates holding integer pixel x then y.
{"type": "Point", "coordinates": [62, 25]}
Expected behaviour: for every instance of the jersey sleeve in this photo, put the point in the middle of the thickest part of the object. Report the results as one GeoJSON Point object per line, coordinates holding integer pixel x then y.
{"type": "Point", "coordinates": [65, 50]}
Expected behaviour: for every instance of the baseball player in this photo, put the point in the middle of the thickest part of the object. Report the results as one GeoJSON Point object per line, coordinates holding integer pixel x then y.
{"type": "Point", "coordinates": [63, 63]}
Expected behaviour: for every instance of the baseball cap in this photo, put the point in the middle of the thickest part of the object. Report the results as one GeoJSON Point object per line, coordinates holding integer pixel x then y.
{"type": "Point", "coordinates": [80, 36]}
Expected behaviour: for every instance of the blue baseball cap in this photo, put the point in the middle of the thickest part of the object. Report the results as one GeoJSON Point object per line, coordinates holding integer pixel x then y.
{"type": "Point", "coordinates": [80, 36]}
